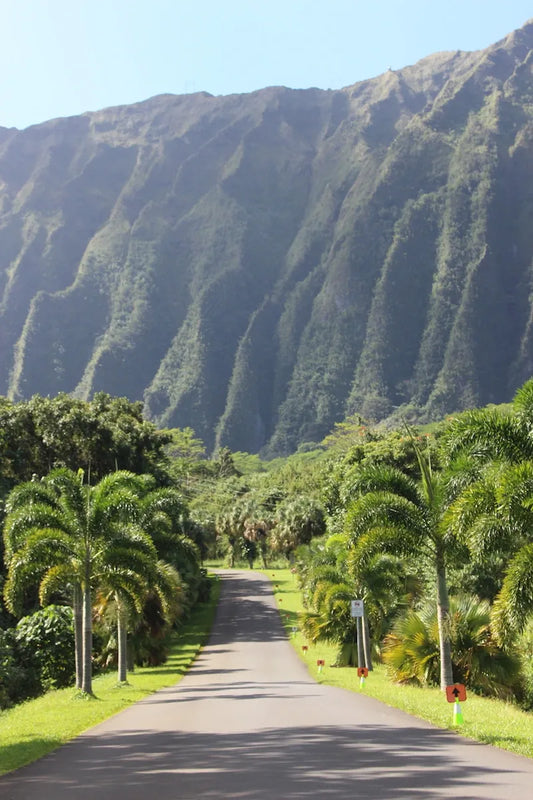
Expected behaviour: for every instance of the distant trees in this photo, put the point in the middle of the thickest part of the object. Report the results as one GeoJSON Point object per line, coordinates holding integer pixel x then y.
{"type": "Point", "coordinates": [297, 521]}
{"type": "Point", "coordinates": [104, 434]}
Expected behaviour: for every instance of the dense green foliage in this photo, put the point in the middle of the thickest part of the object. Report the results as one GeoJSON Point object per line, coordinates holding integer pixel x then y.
{"type": "Point", "coordinates": [112, 544]}
{"type": "Point", "coordinates": [98, 436]}
{"type": "Point", "coordinates": [403, 508]}
{"type": "Point", "coordinates": [37, 655]}
{"type": "Point", "coordinates": [258, 267]}
{"type": "Point", "coordinates": [430, 527]}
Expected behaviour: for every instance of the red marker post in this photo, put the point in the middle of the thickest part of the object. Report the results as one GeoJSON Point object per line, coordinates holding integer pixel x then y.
{"type": "Point", "coordinates": [362, 673]}
{"type": "Point", "coordinates": [455, 694]}
{"type": "Point", "coordinates": [320, 663]}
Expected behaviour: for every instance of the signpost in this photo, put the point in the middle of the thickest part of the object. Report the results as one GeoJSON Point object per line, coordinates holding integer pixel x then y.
{"type": "Point", "coordinates": [320, 663]}
{"type": "Point", "coordinates": [357, 608]}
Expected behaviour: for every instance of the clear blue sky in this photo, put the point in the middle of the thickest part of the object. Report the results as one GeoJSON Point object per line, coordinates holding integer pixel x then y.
{"type": "Point", "coordinates": [63, 57]}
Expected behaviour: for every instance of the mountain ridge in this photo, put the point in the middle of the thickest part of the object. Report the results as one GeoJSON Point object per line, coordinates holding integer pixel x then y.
{"type": "Point", "coordinates": [258, 266]}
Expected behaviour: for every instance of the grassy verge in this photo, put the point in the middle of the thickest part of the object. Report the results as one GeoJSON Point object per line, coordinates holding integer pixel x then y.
{"type": "Point", "coordinates": [485, 720]}
{"type": "Point", "coordinates": [34, 728]}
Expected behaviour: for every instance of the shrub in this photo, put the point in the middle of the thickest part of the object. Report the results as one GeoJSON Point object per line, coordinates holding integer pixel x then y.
{"type": "Point", "coordinates": [13, 680]}
{"type": "Point", "coordinates": [411, 650]}
{"type": "Point", "coordinates": [45, 648]}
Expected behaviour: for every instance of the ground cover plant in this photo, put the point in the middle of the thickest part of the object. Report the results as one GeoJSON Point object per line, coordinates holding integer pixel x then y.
{"type": "Point", "coordinates": [36, 727]}
{"type": "Point", "coordinates": [486, 720]}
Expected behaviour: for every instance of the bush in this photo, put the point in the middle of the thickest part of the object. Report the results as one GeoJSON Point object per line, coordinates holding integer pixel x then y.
{"type": "Point", "coordinates": [13, 680]}
{"type": "Point", "coordinates": [45, 648]}
{"type": "Point", "coordinates": [411, 650]}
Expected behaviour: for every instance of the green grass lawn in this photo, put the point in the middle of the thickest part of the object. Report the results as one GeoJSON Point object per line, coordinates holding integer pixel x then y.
{"type": "Point", "coordinates": [485, 720]}
{"type": "Point", "coordinates": [34, 728]}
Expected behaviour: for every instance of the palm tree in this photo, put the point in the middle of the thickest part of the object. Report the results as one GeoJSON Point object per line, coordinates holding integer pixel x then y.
{"type": "Point", "coordinates": [298, 520]}
{"type": "Point", "coordinates": [66, 535]}
{"type": "Point", "coordinates": [231, 525]}
{"type": "Point", "coordinates": [494, 515]}
{"type": "Point", "coordinates": [329, 618]}
{"type": "Point", "coordinates": [128, 582]}
{"type": "Point", "coordinates": [495, 518]}
{"type": "Point", "coordinates": [256, 530]}
{"type": "Point", "coordinates": [330, 582]}
{"type": "Point", "coordinates": [395, 513]}
{"type": "Point", "coordinates": [125, 594]}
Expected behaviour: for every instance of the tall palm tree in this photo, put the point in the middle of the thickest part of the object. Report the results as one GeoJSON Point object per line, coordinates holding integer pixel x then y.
{"type": "Point", "coordinates": [66, 535]}
{"type": "Point", "coordinates": [231, 525]}
{"type": "Point", "coordinates": [395, 513]}
{"type": "Point", "coordinates": [124, 594]}
{"type": "Point", "coordinates": [165, 517]}
{"type": "Point", "coordinates": [495, 517]}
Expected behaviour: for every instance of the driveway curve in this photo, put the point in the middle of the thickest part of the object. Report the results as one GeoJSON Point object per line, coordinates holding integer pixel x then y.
{"type": "Point", "coordinates": [247, 722]}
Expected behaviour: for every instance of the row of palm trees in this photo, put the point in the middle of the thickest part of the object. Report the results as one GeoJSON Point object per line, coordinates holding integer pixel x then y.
{"type": "Point", "coordinates": [71, 539]}
{"type": "Point", "coordinates": [276, 528]}
{"type": "Point", "coordinates": [478, 504]}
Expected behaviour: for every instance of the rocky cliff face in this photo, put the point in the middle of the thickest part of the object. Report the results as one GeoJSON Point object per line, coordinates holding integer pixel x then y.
{"type": "Point", "coordinates": [258, 266]}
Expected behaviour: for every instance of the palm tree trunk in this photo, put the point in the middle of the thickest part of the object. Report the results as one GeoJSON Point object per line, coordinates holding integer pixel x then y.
{"type": "Point", "coordinates": [232, 546]}
{"type": "Point", "coordinates": [263, 551]}
{"type": "Point", "coordinates": [122, 643]}
{"type": "Point", "coordinates": [78, 634]}
{"type": "Point", "coordinates": [87, 683]}
{"type": "Point", "coordinates": [443, 618]}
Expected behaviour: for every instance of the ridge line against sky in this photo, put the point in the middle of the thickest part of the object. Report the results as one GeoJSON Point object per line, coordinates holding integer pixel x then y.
{"type": "Point", "coordinates": [65, 57]}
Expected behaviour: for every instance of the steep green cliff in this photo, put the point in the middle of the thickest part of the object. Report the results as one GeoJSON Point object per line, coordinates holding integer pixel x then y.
{"type": "Point", "coordinates": [258, 266]}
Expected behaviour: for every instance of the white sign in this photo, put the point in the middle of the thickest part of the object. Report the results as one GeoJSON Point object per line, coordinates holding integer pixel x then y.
{"type": "Point", "coordinates": [358, 609]}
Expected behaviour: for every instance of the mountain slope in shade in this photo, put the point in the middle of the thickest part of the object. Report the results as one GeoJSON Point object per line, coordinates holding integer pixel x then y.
{"type": "Point", "coordinates": [258, 266]}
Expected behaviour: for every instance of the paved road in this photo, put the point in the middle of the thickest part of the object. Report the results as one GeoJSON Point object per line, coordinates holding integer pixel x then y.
{"type": "Point", "coordinates": [247, 723]}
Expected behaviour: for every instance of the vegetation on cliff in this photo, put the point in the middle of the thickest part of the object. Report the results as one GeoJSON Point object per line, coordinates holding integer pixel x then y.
{"type": "Point", "coordinates": [257, 267]}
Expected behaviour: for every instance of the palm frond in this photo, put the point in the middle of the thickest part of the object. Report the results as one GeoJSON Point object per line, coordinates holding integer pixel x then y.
{"type": "Point", "coordinates": [55, 580]}
{"type": "Point", "coordinates": [514, 604]}
{"type": "Point", "coordinates": [382, 478]}
{"type": "Point", "coordinates": [488, 434]}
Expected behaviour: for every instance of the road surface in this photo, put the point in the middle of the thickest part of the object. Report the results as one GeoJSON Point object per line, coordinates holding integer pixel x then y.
{"type": "Point", "coordinates": [248, 723]}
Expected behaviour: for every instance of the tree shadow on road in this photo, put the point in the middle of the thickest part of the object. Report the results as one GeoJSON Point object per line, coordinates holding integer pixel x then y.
{"type": "Point", "coordinates": [323, 762]}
